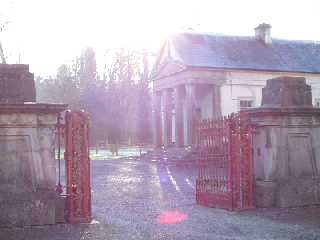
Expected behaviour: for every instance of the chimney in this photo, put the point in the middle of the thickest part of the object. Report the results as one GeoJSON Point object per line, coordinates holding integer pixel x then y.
{"type": "Point", "coordinates": [263, 34]}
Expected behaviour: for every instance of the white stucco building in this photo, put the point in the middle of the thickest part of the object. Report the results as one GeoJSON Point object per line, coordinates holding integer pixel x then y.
{"type": "Point", "coordinates": [198, 76]}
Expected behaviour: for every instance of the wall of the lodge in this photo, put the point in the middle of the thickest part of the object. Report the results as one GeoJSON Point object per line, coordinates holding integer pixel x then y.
{"type": "Point", "coordinates": [234, 86]}
{"type": "Point", "coordinates": [247, 85]}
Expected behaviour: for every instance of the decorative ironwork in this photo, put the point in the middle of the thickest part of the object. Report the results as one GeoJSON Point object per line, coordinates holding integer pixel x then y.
{"type": "Point", "coordinates": [225, 178]}
{"type": "Point", "coordinates": [78, 167]}
{"type": "Point", "coordinates": [59, 133]}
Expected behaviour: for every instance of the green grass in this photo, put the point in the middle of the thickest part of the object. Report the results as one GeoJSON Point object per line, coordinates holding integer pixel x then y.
{"type": "Point", "coordinates": [105, 154]}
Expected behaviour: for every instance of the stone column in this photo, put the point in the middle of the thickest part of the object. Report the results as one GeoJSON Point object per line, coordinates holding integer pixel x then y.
{"type": "Point", "coordinates": [156, 118]}
{"type": "Point", "coordinates": [167, 117]}
{"type": "Point", "coordinates": [190, 108]}
{"type": "Point", "coordinates": [216, 101]}
{"type": "Point", "coordinates": [178, 117]}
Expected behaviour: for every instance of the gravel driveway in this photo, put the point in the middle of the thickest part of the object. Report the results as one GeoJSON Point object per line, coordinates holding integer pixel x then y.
{"type": "Point", "coordinates": [135, 199]}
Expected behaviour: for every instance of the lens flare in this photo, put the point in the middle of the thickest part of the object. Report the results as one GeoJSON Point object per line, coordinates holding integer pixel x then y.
{"type": "Point", "coordinates": [171, 217]}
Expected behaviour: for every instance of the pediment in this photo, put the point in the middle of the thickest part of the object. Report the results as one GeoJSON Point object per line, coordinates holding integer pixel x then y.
{"type": "Point", "coordinates": [166, 64]}
{"type": "Point", "coordinates": [168, 68]}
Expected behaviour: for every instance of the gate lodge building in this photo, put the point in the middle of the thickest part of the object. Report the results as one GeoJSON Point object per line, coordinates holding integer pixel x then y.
{"type": "Point", "coordinates": [198, 76]}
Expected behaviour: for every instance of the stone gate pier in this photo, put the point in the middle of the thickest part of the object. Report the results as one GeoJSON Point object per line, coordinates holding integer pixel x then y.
{"type": "Point", "coordinates": [286, 145]}
{"type": "Point", "coordinates": [27, 158]}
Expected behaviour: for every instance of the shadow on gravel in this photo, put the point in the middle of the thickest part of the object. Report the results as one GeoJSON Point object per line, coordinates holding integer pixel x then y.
{"type": "Point", "coordinates": [308, 217]}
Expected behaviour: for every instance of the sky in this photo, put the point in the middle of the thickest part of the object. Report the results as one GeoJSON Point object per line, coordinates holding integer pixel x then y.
{"type": "Point", "coordinates": [48, 33]}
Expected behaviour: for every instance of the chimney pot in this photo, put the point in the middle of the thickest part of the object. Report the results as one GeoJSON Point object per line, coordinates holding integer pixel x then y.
{"type": "Point", "coordinates": [263, 33]}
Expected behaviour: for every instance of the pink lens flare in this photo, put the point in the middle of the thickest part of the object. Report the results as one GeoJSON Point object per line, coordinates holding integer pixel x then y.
{"type": "Point", "coordinates": [171, 217]}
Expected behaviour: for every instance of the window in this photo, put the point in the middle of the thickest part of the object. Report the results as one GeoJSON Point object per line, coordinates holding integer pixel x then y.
{"type": "Point", "coordinates": [244, 104]}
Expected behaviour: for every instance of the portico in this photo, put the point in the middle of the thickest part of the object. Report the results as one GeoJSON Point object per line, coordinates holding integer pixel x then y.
{"type": "Point", "coordinates": [179, 104]}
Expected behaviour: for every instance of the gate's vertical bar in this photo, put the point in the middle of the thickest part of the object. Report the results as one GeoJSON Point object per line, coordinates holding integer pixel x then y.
{"type": "Point", "coordinates": [230, 160]}
{"type": "Point", "coordinates": [67, 156]}
{"type": "Point", "coordinates": [59, 189]}
{"type": "Point", "coordinates": [87, 179]}
{"type": "Point", "coordinates": [252, 175]}
{"type": "Point", "coordinates": [241, 160]}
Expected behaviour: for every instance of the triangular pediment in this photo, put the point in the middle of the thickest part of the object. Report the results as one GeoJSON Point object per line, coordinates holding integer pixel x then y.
{"type": "Point", "coordinates": [165, 64]}
{"type": "Point", "coordinates": [168, 68]}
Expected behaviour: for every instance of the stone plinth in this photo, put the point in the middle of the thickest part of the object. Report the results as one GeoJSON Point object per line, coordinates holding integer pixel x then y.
{"type": "Point", "coordinates": [27, 164]}
{"type": "Point", "coordinates": [286, 92]}
{"type": "Point", "coordinates": [286, 145]}
{"type": "Point", "coordinates": [16, 84]}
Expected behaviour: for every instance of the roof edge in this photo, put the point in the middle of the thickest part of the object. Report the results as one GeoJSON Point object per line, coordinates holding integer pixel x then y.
{"type": "Point", "coordinates": [251, 69]}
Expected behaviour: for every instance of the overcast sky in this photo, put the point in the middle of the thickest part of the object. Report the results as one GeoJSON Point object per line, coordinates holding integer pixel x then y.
{"type": "Point", "coordinates": [47, 33]}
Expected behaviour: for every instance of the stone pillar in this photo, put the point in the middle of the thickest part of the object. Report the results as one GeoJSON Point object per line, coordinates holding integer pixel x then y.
{"type": "Point", "coordinates": [216, 101]}
{"type": "Point", "coordinates": [190, 108]}
{"type": "Point", "coordinates": [156, 118]}
{"type": "Point", "coordinates": [167, 117]}
{"type": "Point", "coordinates": [27, 142]}
{"type": "Point", "coordinates": [178, 117]}
{"type": "Point", "coordinates": [286, 145]}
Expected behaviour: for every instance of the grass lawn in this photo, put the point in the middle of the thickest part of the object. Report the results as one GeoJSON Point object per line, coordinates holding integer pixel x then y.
{"type": "Point", "coordinates": [105, 154]}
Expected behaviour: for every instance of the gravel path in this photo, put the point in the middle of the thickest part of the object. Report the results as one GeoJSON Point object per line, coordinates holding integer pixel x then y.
{"type": "Point", "coordinates": [144, 200]}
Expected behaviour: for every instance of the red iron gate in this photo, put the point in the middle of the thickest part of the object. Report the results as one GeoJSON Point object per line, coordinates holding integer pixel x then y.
{"type": "Point", "coordinates": [226, 177]}
{"type": "Point", "coordinates": [77, 167]}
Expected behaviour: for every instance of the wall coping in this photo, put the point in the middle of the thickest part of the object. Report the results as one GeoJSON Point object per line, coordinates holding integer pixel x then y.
{"type": "Point", "coordinates": [284, 111]}
{"type": "Point", "coordinates": [38, 108]}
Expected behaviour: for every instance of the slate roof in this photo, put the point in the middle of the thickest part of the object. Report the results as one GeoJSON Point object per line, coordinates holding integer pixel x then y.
{"type": "Point", "coordinates": [234, 52]}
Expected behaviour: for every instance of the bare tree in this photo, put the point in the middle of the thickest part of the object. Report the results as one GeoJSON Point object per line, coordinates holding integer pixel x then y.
{"type": "Point", "coordinates": [118, 102]}
{"type": "Point", "coordinates": [3, 59]}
